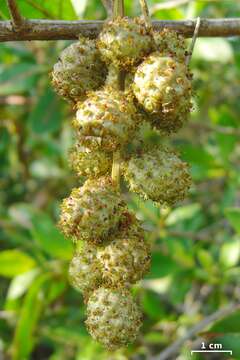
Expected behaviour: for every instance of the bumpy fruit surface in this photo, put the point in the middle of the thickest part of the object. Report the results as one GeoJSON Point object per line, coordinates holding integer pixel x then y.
{"type": "Point", "coordinates": [79, 69]}
{"type": "Point", "coordinates": [91, 164]}
{"type": "Point", "coordinates": [92, 211]}
{"type": "Point", "coordinates": [84, 269]}
{"type": "Point", "coordinates": [105, 120]}
{"type": "Point", "coordinates": [163, 88]}
{"type": "Point", "coordinates": [124, 42]}
{"type": "Point", "coordinates": [158, 174]}
{"type": "Point", "coordinates": [168, 123]}
{"type": "Point", "coordinates": [126, 258]}
{"type": "Point", "coordinates": [113, 317]}
{"type": "Point", "coordinates": [171, 44]}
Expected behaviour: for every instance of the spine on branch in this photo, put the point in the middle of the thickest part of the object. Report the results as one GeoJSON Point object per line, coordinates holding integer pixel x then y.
{"type": "Point", "coordinates": [17, 19]}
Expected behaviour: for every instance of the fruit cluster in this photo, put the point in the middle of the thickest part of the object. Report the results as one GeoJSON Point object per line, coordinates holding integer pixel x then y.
{"type": "Point", "coordinates": [129, 77]}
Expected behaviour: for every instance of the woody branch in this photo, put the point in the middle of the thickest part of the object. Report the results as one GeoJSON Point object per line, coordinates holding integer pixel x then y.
{"type": "Point", "coordinates": [59, 29]}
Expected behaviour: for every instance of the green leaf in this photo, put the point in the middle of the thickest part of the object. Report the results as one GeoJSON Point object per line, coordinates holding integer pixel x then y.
{"type": "Point", "coordinates": [182, 255]}
{"type": "Point", "coordinates": [45, 168]}
{"type": "Point", "coordinates": [233, 216]}
{"type": "Point", "coordinates": [21, 213]}
{"type": "Point", "coordinates": [183, 213]}
{"type": "Point", "coordinates": [162, 266]}
{"type": "Point", "coordinates": [205, 259]}
{"type": "Point", "coordinates": [169, 14]}
{"type": "Point", "coordinates": [21, 283]}
{"type": "Point", "coordinates": [18, 78]}
{"type": "Point", "coordinates": [230, 324]}
{"type": "Point", "coordinates": [230, 252]}
{"type": "Point", "coordinates": [180, 286]}
{"type": "Point", "coordinates": [46, 117]}
{"type": "Point", "coordinates": [4, 140]}
{"type": "Point", "coordinates": [14, 51]}
{"type": "Point", "coordinates": [49, 238]}
{"type": "Point", "coordinates": [15, 262]}
{"type": "Point", "coordinates": [224, 116]}
{"type": "Point", "coordinates": [94, 9]}
{"type": "Point", "coordinates": [197, 155]}
{"type": "Point", "coordinates": [156, 338]}
{"type": "Point", "coordinates": [56, 289]}
{"type": "Point", "coordinates": [146, 209]}
{"type": "Point", "coordinates": [54, 9]}
{"type": "Point", "coordinates": [152, 305]}
{"type": "Point", "coordinates": [213, 49]}
{"type": "Point", "coordinates": [75, 334]}
{"type": "Point", "coordinates": [31, 310]}
{"type": "Point", "coordinates": [230, 342]}
{"type": "Point", "coordinates": [227, 144]}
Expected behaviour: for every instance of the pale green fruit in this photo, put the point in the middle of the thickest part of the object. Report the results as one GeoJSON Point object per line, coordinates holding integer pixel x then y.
{"type": "Point", "coordinates": [79, 70]}
{"type": "Point", "coordinates": [91, 212]}
{"type": "Point", "coordinates": [113, 318]}
{"type": "Point", "coordinates": [171, 44]}
{"type": "Point", "coordinates": [158, 174]}
{"type": "Point", "coordinates": [84, 269]}
{"type": "Point", "coordinates": [163, 88]}
{"type": "Point", "coordinates": [126, 258]}
{"type": "Point", "coordinates": [125, 42]}
{"type": "Point", "coordinates": [106, 120]}
{"type": "Point", "coordinates": [89, 163]}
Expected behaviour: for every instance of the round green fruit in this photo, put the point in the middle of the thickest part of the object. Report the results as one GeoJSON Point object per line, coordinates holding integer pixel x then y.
{"type": "Point", "coordinates": [163, 88]}
{"type": "Point", "coordinates": [126, 258]}
{"type": "Point", "coordinates": [113, 318]}
{"type": "Point", "coordinates": [158, 174]}
{"type": "Point", "coordinates": [105, 120]}
{"type": "Point", "coordinates": [170, 44]}
{"type": "Point", "coordinates": [92, 212]}
{"type": "Point", "coordinates": [79, 70]}
{"type": "Point", "coordinates": [84, 269]}
{"type": "Point", "coordinates": [89, 163]}
{"type": "Point", "coordinates": [125, 42]}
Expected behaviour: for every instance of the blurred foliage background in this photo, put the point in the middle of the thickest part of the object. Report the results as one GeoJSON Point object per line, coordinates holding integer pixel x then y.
{"type": "Point", "coordinates": [196, 245]}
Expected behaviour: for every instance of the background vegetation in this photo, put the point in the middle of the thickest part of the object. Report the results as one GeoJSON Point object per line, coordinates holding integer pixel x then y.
{"type": "Point", "coordinates": [196, 248]}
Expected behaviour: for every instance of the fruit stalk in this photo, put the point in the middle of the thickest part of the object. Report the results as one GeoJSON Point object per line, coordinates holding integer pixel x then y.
{"type": "Point", "coordinates": [118, 11]}
{"type": "Point", "coordinates": [145, 12]}
{"type": "Point", "coordinates": [118, 8]}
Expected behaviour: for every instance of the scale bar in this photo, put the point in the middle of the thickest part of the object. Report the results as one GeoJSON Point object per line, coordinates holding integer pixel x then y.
{"type": "Point", "coordinates": [211, 351]}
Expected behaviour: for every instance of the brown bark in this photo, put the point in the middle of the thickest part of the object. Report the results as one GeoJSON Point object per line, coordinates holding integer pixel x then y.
{"type": "Point", "coordinates": [57, 29]}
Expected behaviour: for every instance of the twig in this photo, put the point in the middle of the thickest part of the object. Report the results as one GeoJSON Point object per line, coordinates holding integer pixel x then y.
{"type": "Point", "coordinates": [195, 35]}
{"type": "Point", "coordinates": [108, 4]}
{"type": "Point", "coordinates": [16, 17]}
{"type": "Point", "coordinates": [168, 5]}
{"type": "Point", "coordinates": [188, 235]}
{"type": "Point", "coordinates": [145, 11]}
{"type": "Point", "coordinates": [70, 30]}
{"type": "Point", "coordinates": [173, 349]}
{"type": "Point", "coordinates": [226, 130]}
